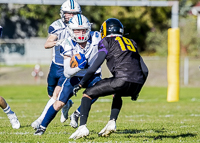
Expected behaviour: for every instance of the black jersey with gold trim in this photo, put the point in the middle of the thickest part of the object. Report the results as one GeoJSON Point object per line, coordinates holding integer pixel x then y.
{"type": "Point", "coordinates": [123, 59]}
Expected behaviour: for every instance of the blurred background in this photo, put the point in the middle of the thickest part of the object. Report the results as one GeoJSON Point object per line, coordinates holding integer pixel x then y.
{"type": "Point", "coordinates": [25, 29]}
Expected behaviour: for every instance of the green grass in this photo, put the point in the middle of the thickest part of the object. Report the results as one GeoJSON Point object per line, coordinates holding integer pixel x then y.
{"type": "Point", "coordinates": [150, 119]}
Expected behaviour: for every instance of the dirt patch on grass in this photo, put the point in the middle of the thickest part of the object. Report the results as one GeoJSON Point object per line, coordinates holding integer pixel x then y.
{"type": "Point", "coordinates": [20, 75]}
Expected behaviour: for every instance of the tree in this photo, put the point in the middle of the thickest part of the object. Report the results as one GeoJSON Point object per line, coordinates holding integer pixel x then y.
{"type": "Point", "coordinates": [25, 21]}
{"type": "Point", "coordinates": [138, 21]}
{"type": "Point", "coordinates": [189, 38]}
{"type": "Point", "coordinates": [146, 25]}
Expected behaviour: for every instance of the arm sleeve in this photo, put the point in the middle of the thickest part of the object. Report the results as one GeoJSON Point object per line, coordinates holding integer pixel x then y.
{"type": "Point", "coordinates": [97, 63]}
{"type": "Point", "coordinates": [144, 68]}
{"type": "Point", "coordinates": [68, 71]}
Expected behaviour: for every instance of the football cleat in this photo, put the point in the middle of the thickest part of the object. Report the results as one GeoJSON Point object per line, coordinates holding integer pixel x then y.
{"type": "Point", "coordinates": [14, 121]}
{"type": "Point", "coordinates": [108, 129]}
{"type": "Point", "coordinates": [81, 132]}
{"type": "Point", "coordinates": [65, 110]}
{"type": "Point", "coordinates": [74, 119]}
{"type": "Point", "coordinates": [40, 131]}
{"type": "Point", "coordinates": [36, 124]}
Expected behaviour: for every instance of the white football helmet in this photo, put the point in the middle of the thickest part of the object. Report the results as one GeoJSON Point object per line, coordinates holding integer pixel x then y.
{"type": "Point", "coordinates": [69, 6]}
{"type": "Point", "coordinates": [79, 21]}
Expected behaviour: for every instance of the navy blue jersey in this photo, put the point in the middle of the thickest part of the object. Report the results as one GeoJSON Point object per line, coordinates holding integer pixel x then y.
{"type": "Point", "coordinates": [123, 59]}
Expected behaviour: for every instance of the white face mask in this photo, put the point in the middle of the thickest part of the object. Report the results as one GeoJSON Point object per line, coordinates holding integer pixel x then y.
{"type": "Point", "coordinates": [79, 28]}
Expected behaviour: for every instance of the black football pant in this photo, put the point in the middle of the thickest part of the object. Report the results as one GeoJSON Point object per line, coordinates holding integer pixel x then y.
{"type": "Point", "coordinates": [116, 86]}
{"type": "Point", "coordinates": [109, 86]}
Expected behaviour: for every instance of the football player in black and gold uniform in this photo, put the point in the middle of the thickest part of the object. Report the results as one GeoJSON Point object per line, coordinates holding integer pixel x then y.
{"type": "Point", "coordinates": [129, 75]}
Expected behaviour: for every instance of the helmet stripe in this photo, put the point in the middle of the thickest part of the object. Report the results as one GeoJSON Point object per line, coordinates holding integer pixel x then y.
{"type": "Point", "coordinates": [104, 34]}
{"type": "Point", "coordinates": [79, 19]}
{"type": "Point", "coordinates": [72, 4]}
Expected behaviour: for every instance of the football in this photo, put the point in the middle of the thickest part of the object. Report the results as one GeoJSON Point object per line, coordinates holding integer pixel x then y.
{"type": "Point", "coordinates": [73, 62]}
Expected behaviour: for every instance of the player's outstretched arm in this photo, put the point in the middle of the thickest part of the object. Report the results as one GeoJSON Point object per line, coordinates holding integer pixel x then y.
{"type": "Point", "coordinates": [91, 71]}
{"type": "Point", "coordinates": [51, 41]}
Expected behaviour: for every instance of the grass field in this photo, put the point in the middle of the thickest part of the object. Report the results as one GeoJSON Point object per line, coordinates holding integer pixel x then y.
{"type": "Point", "coordinates": [150, 119]}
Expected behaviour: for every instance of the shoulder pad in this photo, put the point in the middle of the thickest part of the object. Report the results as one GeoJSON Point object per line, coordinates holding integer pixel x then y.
{"type": "Point", "coordinates": [66, 42]}
{"type": "Point", "coordinates": [58, 24]}
{"type": "Point", "coordinates": [56, 27]}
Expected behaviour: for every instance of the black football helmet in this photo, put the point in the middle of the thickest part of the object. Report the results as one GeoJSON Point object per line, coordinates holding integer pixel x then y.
{"type": "Point", "coordinates": [111, 26]}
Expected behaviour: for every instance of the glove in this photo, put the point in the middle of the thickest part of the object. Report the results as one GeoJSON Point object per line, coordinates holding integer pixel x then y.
{"type": "Point", "coordinates": [81, 62]}
{"type": "Point", "coordinates": [76, 89]}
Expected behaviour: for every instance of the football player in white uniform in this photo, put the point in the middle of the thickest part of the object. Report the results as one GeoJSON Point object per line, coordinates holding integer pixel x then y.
{"type": "Point", "coordinates": [11, 115]}
{"type": "Point", "coordinates": [81, 41]}
{"type": "Point", "coordinates": [6, 108]}
{"type": "Point", "coordinates": [57, 32]}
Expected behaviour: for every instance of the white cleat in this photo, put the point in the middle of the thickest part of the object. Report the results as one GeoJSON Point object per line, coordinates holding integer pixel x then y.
{"type": "Point", "coordinates": [81, 132]}
{"type": "Point", "coordinates": [14, 121]}
{"type": "Point", "coordinates": [36, 124]}
{"type": "Point", "coordinates": [108, 129]}
{"type": "Point", "coordinates": [65, 110]}
{"type": "Point", "coordinates": [74, 120]}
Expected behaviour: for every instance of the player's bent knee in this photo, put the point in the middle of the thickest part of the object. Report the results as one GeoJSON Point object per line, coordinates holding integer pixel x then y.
{"type": "Point", "coordinates": [58, 105]}
{"type": "Point", "coordinates": [85, 95]}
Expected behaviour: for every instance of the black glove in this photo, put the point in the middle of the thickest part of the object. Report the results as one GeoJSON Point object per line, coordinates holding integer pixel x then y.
{"type": "Point", "coordinates": [76, 89]}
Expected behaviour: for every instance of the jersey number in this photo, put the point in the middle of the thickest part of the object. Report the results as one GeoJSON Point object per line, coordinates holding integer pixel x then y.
{"type": "Point", "coordinates": [128, 44]}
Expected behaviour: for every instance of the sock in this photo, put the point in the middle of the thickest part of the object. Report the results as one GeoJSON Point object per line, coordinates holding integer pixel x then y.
{"type": "Point", "coordinates": [79, 108]}
{"type": "Point", "coordinates": [85, 108]}
{"type": "Point", "coordinates": [114, 114]}
{"type": "Point", "coordinates": [51, 113]}
{"type": "Point", "coordinates": [116, 107]}
{"type": "Point", "coordinates": [8, 110]}
{"type": "Point", "coordinates": [49, 103]}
